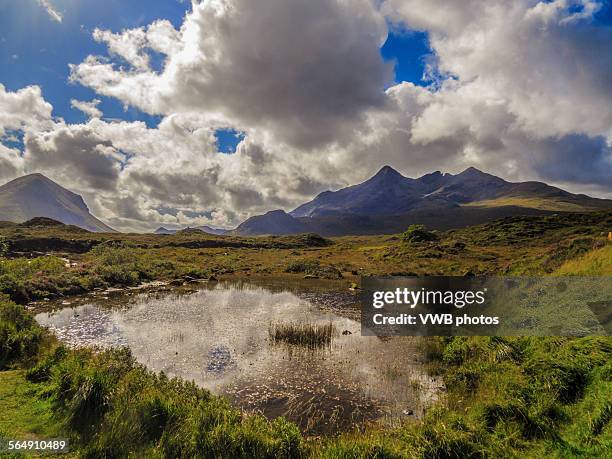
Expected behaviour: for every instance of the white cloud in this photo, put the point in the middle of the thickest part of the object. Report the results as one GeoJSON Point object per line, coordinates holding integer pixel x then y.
{"type": "Point", "coordinates": [306, 70]}
{"type": "Point", "coordinates": [11, 163]}
{"type": "Point", "coordinates": [540, 61]}
{"type": "Point", "coordinates": [522, 91]}
{"type": "Point", "coordinates": [23, 108]}
{"type": "Point", "coordinates": [53, 13]}
{"type": "Point", "coordinates": [89, 108]}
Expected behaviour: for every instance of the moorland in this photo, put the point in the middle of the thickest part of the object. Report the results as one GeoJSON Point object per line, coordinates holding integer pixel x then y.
{"type": "Point", "coordinates": [504, 396]}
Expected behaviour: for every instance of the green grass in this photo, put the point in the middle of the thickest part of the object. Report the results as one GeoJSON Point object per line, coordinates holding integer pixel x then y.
{"type": "Point", "coordinates": [20, 336]}
{"type": "Point", "coordinates": [23, 413]}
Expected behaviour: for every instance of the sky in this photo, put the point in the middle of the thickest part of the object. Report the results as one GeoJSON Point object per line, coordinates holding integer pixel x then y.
{"type": "Point", "coordinates": [207, 112]}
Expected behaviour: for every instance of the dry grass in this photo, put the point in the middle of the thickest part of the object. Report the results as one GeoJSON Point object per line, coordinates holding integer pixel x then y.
{"type": "Point", "coordinates": [305, 334]}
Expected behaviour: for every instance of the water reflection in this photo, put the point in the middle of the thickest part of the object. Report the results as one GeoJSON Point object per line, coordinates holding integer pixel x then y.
{"type": "Point", "coordinates": [218, 337]}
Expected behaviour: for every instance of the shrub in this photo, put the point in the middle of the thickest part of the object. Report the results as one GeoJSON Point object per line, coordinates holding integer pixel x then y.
{"type": "Point", "coordinates": [313, 268]}
{"type": "Point", "coordinates": [42, 370]}
{"type": "Point", "coordinates": [418, 233]}
{"type": "Point", "coordinates": [20, 335]}
{"type": "Point", "coordinates": [118, 263]}
{"type": "Point", "coordinates": [26, 279]}
{"type": "Point", "coordinates": [119, 274]}
{"type": "Point", "coordinates": [3, 246]}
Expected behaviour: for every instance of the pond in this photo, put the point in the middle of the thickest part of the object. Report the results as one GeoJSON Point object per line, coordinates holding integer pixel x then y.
{"type": "Point", "coordinates": [219, 336]}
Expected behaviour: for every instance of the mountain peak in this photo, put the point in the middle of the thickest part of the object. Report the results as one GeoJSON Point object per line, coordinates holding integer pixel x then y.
{"type": "Point", "coordinates": [34, 175]}
{"type": "Point", "coordinates": [32, 178]}
{"type": "Point", "coordinates": [387, 171]}
{"type": "Point", "coordinates": [472, 172]}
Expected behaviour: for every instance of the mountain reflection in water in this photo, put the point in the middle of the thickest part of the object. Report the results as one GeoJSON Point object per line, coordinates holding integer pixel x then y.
{"type": "Point", "coordinates": [218, 337]}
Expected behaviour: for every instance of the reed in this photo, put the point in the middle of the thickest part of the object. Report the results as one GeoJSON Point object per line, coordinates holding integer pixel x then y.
{"type": "Point", "coordinates": [305, 334]}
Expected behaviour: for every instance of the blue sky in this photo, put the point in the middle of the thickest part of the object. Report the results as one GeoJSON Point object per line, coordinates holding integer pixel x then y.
{"type": "Point", "coordinates": [36, 50]}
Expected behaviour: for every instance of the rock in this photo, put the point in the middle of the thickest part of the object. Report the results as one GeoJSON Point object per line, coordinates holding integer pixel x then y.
{"type": "Point", "coordinates": [347, 332]}
{"type": "Point", "coordinates": [191, 280]}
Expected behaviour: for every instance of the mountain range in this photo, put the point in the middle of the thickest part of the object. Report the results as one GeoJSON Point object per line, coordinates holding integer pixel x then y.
{"type": "Point", "coordinates": [35, 195]}
{"type": "Point", "coordinates": [386, 203]}
{"type": "Point", "coordinates": [203, 229]}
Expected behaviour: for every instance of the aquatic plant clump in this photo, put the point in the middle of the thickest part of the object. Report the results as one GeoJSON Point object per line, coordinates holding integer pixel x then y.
{"type": "Point", "coordinates": [305, 334]}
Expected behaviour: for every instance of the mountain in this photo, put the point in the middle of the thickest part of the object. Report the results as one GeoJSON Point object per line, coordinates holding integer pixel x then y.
{"type": "Point", "coordinates": [35, 195]}
{"type": "Point", "coordinates": [390, 193]}
{"type": "Point", "coordinates": [274, 222]}
{"type": "Point", "coordinates": [203, 228]}
{"type": "Point", "coordinates": [388, 202]}
{"type": "Point", "coordinates": [209, 230]}
{"type": "Point", "coordinates": [162, 230]}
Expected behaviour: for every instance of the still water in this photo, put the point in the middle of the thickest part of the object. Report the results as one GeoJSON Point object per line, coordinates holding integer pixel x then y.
{"type": "Point", "coordinates": [218, 336]}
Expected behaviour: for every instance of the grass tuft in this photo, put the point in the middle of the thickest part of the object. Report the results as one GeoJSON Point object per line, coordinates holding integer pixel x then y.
{"type": "Point", "coordinates": [305, 334]}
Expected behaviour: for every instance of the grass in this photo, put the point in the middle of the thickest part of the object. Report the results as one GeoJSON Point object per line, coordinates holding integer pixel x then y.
{"type": "Point", "coordinates": [313, 269]}
{"type": "Point", "coordinates": [23, 414]}
{"type": "Point", "coordinates": [514, 246]}
{"type": "Point", "coordinates": [532, 203]}
{"type": "Point", "coordinates": [594, 263]}
{"type": "Point", "coordinates": [506, 397]}
{"type": "Point", "coordinates": [20, 336]}
{"type": "Point", "coordinates": [305, 334]}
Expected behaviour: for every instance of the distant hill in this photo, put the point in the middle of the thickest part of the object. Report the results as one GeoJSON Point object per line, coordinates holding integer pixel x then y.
{"type": "Point", "coordinates": [275, 222]}
{"type": "Point", "coordinates": [35, 195]}
{"type": "Point", "coordinates": [203, 228]}
{"type": "Point", "coordinates": [388, 202]}
{"type": "Point", "coordinates": [162, 230]}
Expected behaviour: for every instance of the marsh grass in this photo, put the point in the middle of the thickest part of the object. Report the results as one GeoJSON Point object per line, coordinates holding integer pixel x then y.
{"type": "Point", "coordinates": [305, 334]}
